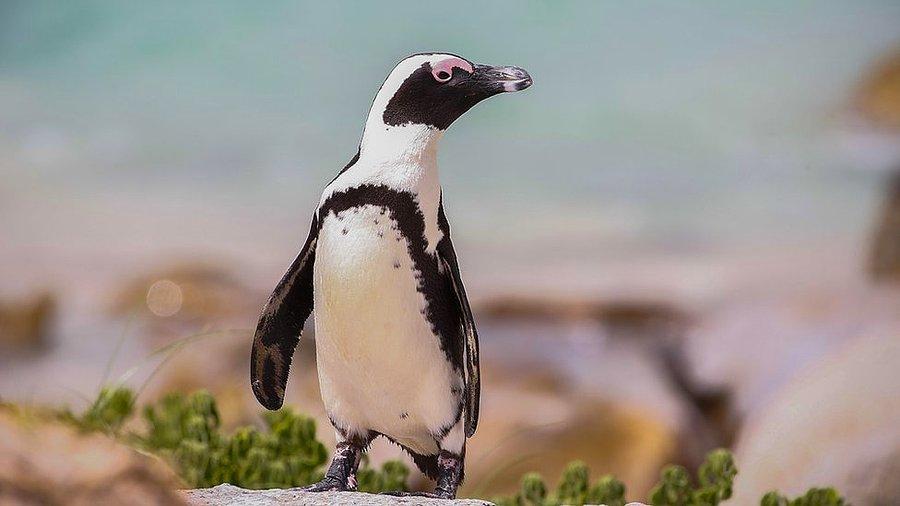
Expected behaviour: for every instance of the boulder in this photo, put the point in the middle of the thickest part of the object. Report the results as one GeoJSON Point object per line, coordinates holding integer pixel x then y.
{"type": "Point", "coordinates": [44, 462]}
{"type": "Point", "coordinates": [834, 425]}
{"type": "Point", "coordinates": [884, 255]}
{"type": "Point", "coordinates": [25, 325]}
{"type": "Point", "coordinates": [878, 97]}
{"type": "Point", "coordinates": [229, 495]}
{"type": "Point", "coordinates": [186, 296]}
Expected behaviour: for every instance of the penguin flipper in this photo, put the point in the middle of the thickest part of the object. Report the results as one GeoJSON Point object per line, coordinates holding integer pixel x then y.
{"type": "Point", "coordinates": [467, 324]}
{"type": "Point", "coordinates": [280, 324]}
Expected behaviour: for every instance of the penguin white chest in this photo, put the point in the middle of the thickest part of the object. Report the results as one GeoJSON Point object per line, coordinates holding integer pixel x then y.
{"type": "Point", "coordinates": [380, 365]}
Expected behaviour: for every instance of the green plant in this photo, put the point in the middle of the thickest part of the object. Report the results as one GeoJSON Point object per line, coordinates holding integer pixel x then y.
{"type": "Point", "coordinates": [107, 413]}
{"type": "Point", "coordinates": [608, 490]}
{"type": "Point", "coordinates": [534, 492]}
{"type": "Point", "coordinates": [185, 431]}
{"type": "Point", "coordinates": [812, 497]}
{"type": "Point", "coordinates": [573, 488]}
{"type": "Point", "coordinates": [715, 478]}
{"type": "Point", "coordinates": [675, 488]}
{"type": "Point", "coordinates": [574, 484]}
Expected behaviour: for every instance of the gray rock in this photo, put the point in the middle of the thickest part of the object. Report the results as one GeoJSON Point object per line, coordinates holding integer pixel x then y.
{"type": "Point", "coordinates": [225, 494]}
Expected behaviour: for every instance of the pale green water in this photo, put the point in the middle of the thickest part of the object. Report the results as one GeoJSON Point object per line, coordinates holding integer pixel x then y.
{"type": "Point", "coordinates": [136, 128]}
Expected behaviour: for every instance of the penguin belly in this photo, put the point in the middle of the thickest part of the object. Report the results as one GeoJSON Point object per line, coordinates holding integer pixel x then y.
{"type": "Point", "coordinates": [380, 365]}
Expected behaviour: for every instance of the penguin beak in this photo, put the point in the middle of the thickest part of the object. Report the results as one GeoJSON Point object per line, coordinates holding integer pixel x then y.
{"type": "Point", "coordinates": [491, 80]}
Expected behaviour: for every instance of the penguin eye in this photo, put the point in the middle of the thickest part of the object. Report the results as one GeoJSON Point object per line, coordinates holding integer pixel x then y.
{"type": "Point", "coordinates": [442, 70]}
{"type": "Point", "coordinates": [442, 76]}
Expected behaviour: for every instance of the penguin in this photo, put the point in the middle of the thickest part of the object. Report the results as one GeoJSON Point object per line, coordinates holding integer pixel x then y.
{"type": "Point", "coordinates": [396, 344]}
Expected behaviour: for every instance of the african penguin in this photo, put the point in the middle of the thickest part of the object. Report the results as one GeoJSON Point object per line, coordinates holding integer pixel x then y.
{"type": "Point", "coordinates": [396, 346]}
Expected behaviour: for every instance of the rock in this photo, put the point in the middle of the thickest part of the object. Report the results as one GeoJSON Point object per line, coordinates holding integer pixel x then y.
{"type": "Point", "coordinates": [534, 422]}
{"type": "Point", "coordinates": [25, 325]}
{"type": "Point", "coordinates": [44, 462]}
{"type": "Point", "coordinates": [754, 345]}
{"type": "Point", "coordinates": [619, 317]}
{"type": "Point", "coordinates": [834, 425]}
{"type": "Point", "coordinates": [878, 98]}
{"type": "Point", "coordinates": [187, 295]}
{"type": "Point", "coordinates": [225, 495]}
{"type": "Point", "coordinates": [878, 102]}
{"type": "Point", "coordinates": [884, 255]}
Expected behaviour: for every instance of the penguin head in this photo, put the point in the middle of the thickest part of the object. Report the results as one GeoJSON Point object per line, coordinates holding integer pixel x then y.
{"type": "Point", "coordinates": [434, 89]}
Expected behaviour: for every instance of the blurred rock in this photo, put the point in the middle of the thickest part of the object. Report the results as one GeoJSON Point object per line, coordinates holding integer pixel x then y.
{"type": "Point", "coordinates": [753, 346]}
{"type": "Point", "coordinates": [620, 317]}
{"type": "Point", "coordinates": [878, 102]}
{"type": "Point", "coordinates": [533, 421]}
{"type": "Point", "coordinates": [26, 325]}
{"type": "Point", "coordinates": [656, 330]}
{"type": "Point", "coordinates": [229, 495]}
{"type": "Point", "coordinates": [202, 316]}
{"type": "Point", "coordinates": [884, 260]}
{"type": "Point", "coordinates": [836, 424]}
{"type": "Point", "coordinates": [45, 463]}
{"type": "Point", "coordinates": [188, 294]}
{"type": "Point", "coordinates": [878, 98]}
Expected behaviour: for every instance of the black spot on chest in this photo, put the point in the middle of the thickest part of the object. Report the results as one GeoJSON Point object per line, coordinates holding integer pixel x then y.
{"type": "Point", "coordinates": [442, 310]}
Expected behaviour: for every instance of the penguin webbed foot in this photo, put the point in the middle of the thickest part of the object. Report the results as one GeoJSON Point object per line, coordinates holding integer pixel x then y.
{"type": "Point", "coordinates": [327, 484]}
{"type": "Point", "coordinates": [341, 474]}
{"type": "Point", "coordinates": [449, 476]}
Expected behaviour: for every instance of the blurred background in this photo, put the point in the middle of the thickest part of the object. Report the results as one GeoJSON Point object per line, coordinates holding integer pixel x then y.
{"type": "Point", "coordinates": [685, 235]}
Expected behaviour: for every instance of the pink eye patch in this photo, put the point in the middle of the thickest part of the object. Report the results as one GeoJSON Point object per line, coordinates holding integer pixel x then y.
{"type": "Point", "coordinates": [443, 70]}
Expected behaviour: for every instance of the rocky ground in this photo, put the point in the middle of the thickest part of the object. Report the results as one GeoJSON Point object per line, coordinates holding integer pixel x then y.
{"type": "Point", "coordinates": [225, 495]}
{"type": "Point", "coordinates": [44, 462]}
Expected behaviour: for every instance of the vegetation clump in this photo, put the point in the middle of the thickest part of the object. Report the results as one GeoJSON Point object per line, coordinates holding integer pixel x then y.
{"type": "Point", "coordinates": [676, 487]}
{"type": "Point", "coordinates": [812, 497]}
{"type": "Point", "coordinates": [108, 413]}
{"type": "Point", "coordinates": [714, 481]}
{"type": "Point", "coordinates": [574, 488]}
{"type": "Point", "coordinates": [185, 431]}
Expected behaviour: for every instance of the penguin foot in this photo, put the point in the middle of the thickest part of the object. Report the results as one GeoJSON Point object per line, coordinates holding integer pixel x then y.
{"type": "Point", "coordinates": [328, 484]}
{"type": "Point", "coordinates": [450, 475]}
{"type": "Point", "coordinates": [341, 474]}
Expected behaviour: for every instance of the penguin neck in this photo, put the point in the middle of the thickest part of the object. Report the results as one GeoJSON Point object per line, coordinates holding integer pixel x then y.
{"type": "Point", "coordinates": [405, 158]}
{"type": "Point", "coordinates": [395, 146]}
